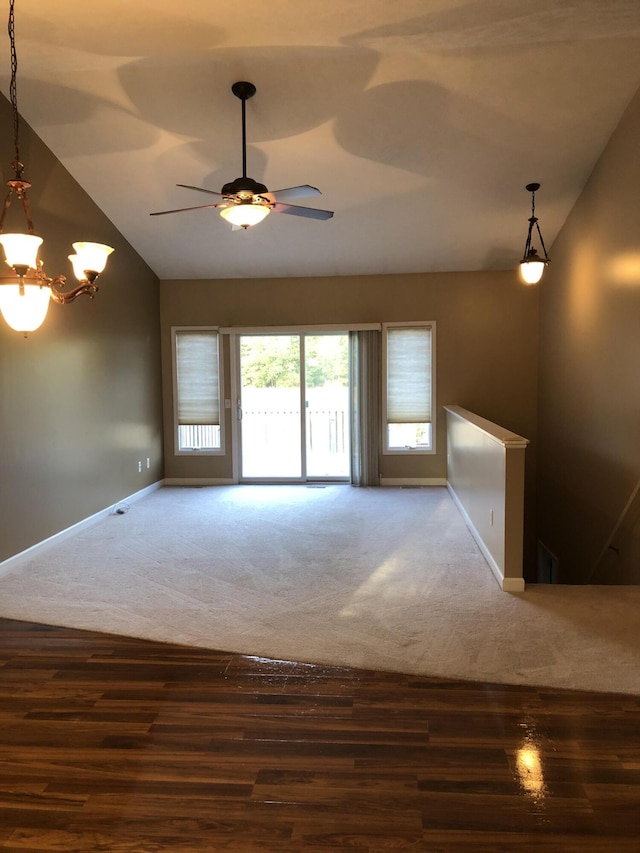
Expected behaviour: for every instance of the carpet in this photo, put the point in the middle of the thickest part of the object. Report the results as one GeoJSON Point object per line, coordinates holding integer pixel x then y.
{"type": "Point", "coordinates": [386, 578]}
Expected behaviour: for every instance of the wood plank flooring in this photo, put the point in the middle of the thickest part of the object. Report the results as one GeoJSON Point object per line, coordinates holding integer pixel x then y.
{"type": "Point", "coordinates": [113, 744]}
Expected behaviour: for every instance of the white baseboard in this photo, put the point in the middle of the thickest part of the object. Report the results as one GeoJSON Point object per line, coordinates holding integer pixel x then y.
{"type": "Point", "coordinates": [199, 481]}
{"type": "Point", "coordinates": [40, 547]}
{"type": "Point", "coordinates": [413, 481]}
{"type": "Point", "coordinates": [222, 481]}
{"type": "Point", "coordinates": [506, 584]}
{"type": "Point", "coordinates": [513, 584]}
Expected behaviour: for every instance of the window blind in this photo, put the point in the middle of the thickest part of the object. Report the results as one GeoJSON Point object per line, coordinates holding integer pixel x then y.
{"type": "Point", "coordinates": [197, 378]}
{"type": "Point", "coordinates": [409, 375]}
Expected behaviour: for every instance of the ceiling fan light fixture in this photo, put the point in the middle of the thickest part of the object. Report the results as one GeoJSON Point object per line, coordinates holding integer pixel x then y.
{"type": "Point", "coordinates": [245, 214]}
{"type": "Point", "coordinates": [532, 265]}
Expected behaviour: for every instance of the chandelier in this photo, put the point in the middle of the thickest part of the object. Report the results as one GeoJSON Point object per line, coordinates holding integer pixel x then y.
{"type": "Point", "coordinates": [26, 291]}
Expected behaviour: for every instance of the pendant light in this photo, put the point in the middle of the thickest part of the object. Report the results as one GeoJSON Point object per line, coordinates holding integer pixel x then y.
{"type": "Point", "coordinates": [532, 265]}
{"type": "Point", "coordinates": [26, 291]}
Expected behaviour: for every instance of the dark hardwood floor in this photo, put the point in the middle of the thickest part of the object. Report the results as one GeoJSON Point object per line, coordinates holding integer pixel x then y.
{"type": "Point", "coordinates": [113, 744]}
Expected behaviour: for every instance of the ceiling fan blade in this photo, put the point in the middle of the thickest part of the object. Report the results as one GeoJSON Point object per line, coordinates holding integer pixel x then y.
{"type": "Point", "coordinates": [308, 212]}
{"type": "Point", "coordinates": [182, 209]}
{"type": "Point", "coordinates": [200, 190]}
{"type": "Point", "coordinates": [292, 193]}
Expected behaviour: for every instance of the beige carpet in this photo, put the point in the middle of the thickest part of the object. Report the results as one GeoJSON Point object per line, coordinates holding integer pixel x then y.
{"type": "Point", "coordinates": [375, 578]}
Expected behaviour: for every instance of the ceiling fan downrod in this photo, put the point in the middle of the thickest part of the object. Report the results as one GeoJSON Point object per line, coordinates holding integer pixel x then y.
{"type": "Point", "coordinates": [244, 91]}
{"type": "Point", "coordinates": [244, 187]}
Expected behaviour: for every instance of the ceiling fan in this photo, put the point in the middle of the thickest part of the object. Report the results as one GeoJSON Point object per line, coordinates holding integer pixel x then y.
{"type": "Point", "coordinates": [246, 202]}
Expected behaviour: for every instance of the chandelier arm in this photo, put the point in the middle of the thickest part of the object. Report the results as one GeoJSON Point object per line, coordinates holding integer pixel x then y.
{"type": "Point", "coordinates": [27, 212]}
{"type": "Point", "coordinates": [64, 297]}
{"type": "Point", "coordinates": [5, 207]}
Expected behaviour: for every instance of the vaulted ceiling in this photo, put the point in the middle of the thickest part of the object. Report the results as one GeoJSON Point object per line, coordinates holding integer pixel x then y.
{"type": "Point", "coordinates": [420, 121]}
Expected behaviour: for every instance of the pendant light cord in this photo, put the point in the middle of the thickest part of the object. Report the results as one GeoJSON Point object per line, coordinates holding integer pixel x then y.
{"type": "Point", "coordinates": [18, 185]}
{"type": "Point", "coordinates": [17, 165]}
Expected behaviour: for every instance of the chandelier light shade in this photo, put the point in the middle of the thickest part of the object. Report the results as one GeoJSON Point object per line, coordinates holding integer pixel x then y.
{"type": "Point", "coordinates": [89, 260]}
{"type": "Point", "coordinates": [245, 214]}
{"type": "Point", "coordinates": [25, 291]}
{"type": "Point", "coordinates": [25, 307]}
{"type": "Point", "coordinates": [21, 250]}
{"type": "Point", "coordinates": [532, 264]}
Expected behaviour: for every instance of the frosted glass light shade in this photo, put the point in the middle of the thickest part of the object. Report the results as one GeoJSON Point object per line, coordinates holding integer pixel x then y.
{"type": "Point", "coordinates": [21, 249]}
{"type": "Point", "coordinates": [89, 257]}
{"type": "Point", "coordinates": [531, 271]}
{"type": "Point", "coordinates": [24, 309]}
{"type": "Point", "coordinates": [245, 214]}
{"type": "Point", "coordinates": [78, 268]}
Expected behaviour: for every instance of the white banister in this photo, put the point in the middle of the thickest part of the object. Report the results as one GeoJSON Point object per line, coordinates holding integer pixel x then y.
{"type": "Point", "coordinates": [485, 477]}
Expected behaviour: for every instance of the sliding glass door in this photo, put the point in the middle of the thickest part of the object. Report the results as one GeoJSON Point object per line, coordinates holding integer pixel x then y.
{"type": "Point", "coordinates": [327, 405]}
{"type": "Point", "coordinates": [293, 406]}
{"type": "Point", "coordinates": [270, 406]}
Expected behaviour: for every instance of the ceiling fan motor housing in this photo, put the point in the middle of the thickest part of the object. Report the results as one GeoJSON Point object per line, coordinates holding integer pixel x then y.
{"type": "Point", "coordinates": [244, 188]}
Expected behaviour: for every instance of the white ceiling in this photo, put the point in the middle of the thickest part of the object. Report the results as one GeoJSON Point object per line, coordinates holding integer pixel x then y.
{"type": "Point", "coordinates": [420, 121]}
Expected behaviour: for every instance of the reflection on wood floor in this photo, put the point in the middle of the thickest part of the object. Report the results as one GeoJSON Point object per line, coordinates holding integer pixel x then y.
{"type": "Point", "coordinates": [114, 744]}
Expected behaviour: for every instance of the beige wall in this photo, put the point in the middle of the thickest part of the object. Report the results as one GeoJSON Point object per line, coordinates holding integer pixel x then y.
{"type": "Point", "coordinates": [80, 399]}
{"type": "Point", "coordinates": [589, 400]}
{"type": "Point", "coordinates": [486, 357]}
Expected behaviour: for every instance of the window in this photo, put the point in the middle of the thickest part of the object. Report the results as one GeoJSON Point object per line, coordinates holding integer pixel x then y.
{"type": "Point", "coordinates": [408, 387]}
{"type": "Point", "coordinates": [197, 390]}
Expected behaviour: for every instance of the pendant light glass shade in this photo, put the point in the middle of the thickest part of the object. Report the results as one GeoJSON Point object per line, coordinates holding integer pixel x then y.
{"type": "Point", "coordinates": [24, 307]}
{"type": "Point", "coordinates": [531, 268]}
{"type": "Point", "coordinates": [245, 214]}
{"type": "Point", "coordinates": [21, 250]}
